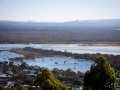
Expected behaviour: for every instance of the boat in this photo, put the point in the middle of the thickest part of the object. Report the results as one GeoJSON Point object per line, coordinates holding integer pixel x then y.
{"type": "Point", "coordinates": [75, 63]}
{"type": "Point", "coordinates": [56, 62]}
{"type": "Point", "coordinates": [74, 67]}
{"type": "Point", "coordinates": [51, 59]}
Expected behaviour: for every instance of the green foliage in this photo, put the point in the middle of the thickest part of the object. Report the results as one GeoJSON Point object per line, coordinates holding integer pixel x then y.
{"type": "Point", "coordinates": [8, 88]}
{"type": "Point", "coordinates": [11, 63]}
{"type": "Point", "coordinates": [24, 64]}
{"type": "Point", "coordinates": [3, 82]}
{"type": "Point", "coordinates": [13, 88]}
{"type": "Point", "coordinates": [2, 88]}
{"type": "Point", "coordinates": [99, 75]}
{"type": "Point", "coordinates": [46, 81]}
{"type": "Point", "coordinates": [24, 88]}
{"type": "Point", "coordinates": [29, 80]}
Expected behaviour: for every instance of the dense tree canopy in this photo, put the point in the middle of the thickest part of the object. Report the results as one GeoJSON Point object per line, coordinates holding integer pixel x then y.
{"type": "Point", "coordinates": [99, 76]}
{"type": "Point", "coordinates": [13, 32]}
{"type": "Point", "coordinates": [46, 81]}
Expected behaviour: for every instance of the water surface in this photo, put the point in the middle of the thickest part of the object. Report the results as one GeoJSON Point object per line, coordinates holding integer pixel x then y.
{"type": "Point", "coordinates": [74, 48]}
{"type": "Point", "coordinates": [62, 62]}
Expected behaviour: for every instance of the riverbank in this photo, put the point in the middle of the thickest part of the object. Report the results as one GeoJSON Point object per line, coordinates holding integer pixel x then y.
{"type": "Point", "coordinates": [82, 44]}
{"type": "Point", "coordinates": [78, 45]}
{"type": "Point", "coordinates": [74, 48]}
{"type": "Point", "coordinates": [31, 53]}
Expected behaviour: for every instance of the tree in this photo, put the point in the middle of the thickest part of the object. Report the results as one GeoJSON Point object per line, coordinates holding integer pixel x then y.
{"type": "Point", "coordinates": [5, 63]}
{"type": "Point", "coordinates": [8, 88]}
{"type": "Point", "coordinates": [46, 81]}
{"type": "Point", "coordinates": [24, 64]}
{"type": "Point", "coordinates": [13, 88]}
{"type": "Point", "coordinates": [11, 63]}
{"type": "Point", "coordinates": [24, 88]}
{"type": "Point", "coordinates": [100, 77]}
{"type": "Point", "coordinates": [2, 88]}
{"type": "Point", "coordinates": [1, 63]}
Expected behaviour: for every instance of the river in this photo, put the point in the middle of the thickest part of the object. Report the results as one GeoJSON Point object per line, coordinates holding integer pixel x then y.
{"type": "Point", "coordinates": [74, 48]}
{"type": "Point", "coordinates": [59, 62]}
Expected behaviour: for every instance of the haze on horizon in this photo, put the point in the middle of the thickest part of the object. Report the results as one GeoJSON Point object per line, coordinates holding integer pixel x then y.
{"type": "Point", "coordinates": [59, 10]}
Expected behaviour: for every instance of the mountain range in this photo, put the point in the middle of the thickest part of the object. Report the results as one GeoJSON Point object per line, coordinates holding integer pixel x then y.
{"type": "Point", "coordinates": [101, 22]}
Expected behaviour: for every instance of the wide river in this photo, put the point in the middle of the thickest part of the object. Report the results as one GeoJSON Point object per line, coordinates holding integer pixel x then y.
{"type": "Point", "coordinates": [74, 48]}
{"type": "Point", "coordinates": [60, 62]}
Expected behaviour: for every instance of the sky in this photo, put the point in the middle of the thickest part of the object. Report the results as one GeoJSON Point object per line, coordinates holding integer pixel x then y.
{"type": "Point", "coordinates": [59, 10]}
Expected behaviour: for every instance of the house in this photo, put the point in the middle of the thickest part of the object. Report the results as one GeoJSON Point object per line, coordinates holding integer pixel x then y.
{"type": "Point", "coordinates": [32, 74]}
{"type": "Point", "coordinates": [26, 70]}
{"type": "Point", "coordinates": [10, 83]}
{"type": "Point", "coordinates": [9, 73]}
{"type": "Point", "coordinates": [4, 76]}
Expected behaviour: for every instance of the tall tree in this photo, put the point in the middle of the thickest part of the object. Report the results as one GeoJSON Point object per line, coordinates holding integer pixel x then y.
{"type": "Point", "coordinates": [24, 88]}
{"type": "Point", "coordinates": [46, 81]}
{"type": "Point", "coordinates": [100, 77]}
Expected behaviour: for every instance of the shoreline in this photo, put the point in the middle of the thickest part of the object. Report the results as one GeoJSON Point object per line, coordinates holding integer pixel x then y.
{"type": "Point", "coordinates": [76, 45]}
{"type": "Point", "coordinates": [2, 44]}
{"type": "Point", "coordinates": [69, 45]}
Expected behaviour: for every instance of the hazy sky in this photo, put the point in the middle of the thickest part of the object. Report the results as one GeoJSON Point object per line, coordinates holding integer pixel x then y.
{"type": "Point", "coordinates": [59, 10]}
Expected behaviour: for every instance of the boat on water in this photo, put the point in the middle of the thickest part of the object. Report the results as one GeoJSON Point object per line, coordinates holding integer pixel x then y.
{"type": "Point", "coordinates": [74, 67]}
{"type": "Point", "coordinates": [75, 63]}
{"type": "Point", "coordinates": [56, 62]}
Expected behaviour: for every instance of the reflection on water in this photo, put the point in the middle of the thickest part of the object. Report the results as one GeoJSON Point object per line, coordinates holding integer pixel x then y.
{"type": "Point", "coordinates": [52, 62]}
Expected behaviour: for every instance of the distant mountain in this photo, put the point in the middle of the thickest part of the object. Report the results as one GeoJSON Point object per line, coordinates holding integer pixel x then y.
{"type": "Point", "coordinates": [98, 23]}
{"type": "Point", "coordinates": [101, 21]}
{"type": "Point", "coordinates": [5, 21]}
